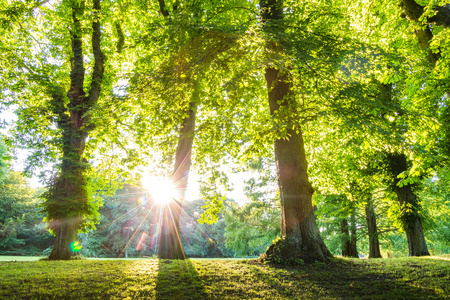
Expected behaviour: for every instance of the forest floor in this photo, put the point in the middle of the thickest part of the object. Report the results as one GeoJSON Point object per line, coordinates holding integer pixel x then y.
{"type": "Point", "coordinates": [399, 278]}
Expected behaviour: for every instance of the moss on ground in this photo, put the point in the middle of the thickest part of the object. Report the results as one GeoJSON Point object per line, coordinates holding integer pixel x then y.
{"type": "Point", "coordinates": [401, 278]}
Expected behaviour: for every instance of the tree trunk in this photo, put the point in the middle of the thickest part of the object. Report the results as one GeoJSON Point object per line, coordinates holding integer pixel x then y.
{"type": "Point", "coordinates": [68, 199]}
{"type": "Point", "coordinates": [374, 244]}
{"type": "Point", "coordinates": [407, 200]}
{"type": "Point", "coordinates": [65, 235]}
{"type": "Point", "coordinates": [353, 249]}
{"type": "Point", "coordinates": [345, 238]}
{"type": "Point", "coordinates": [300, 235]}
{"type": "Point", "coordinates": [412, 223]}
{"type": "Point", "coordinates": [170, 246]}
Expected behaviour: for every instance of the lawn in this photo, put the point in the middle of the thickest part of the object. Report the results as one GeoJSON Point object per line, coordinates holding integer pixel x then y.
{"type": "Point", "coordinates": [400, 278]}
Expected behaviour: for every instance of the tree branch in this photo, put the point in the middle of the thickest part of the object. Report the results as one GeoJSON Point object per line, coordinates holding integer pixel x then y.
{"type": "Point", "coordinates": [76, 93]}
{"type": "Point", "coordinates": [99, 65]}
{"type": "Point", "coordinates": [162, 8]}
{"type": "Point", "coordinates": [121, 37]}
{"type": "Point", "coordinates": [414, 11]}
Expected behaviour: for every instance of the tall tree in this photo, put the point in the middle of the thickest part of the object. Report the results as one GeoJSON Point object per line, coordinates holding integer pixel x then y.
{"type": "Point", "coordinates": [67, 200]}
{"type": "Point", "coordinates": [300, 235]}
{"type": "Point", "coordinates": [170, 245]}
{"type": "Point", "coordinates": [193, 50]}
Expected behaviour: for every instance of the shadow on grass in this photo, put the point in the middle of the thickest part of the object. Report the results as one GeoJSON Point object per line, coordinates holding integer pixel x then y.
{"type": "Point", "coordinates": [346, 280]}
{"type": "Point", "coordinates": [178, 279]}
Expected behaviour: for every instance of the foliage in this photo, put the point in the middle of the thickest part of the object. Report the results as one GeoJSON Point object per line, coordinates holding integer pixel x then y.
{"type": "Point", "coordinates": [21, 229]}
{"type": "Point", "coordinates": [436, 209]}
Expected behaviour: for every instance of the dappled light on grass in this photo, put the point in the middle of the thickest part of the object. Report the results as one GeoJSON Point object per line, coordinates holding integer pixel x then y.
{"type": "Point", "coordinates": [443, 257]}
{"type": "Point", "coordinates": [178, 279]}
{"type": "Point", "coordinates": [409, 278]}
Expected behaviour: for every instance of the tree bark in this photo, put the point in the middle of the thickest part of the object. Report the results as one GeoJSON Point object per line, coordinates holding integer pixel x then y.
{"type": "Point", "coordinates": [374, 244]}
{"type": "Point", "coordinates": [67, 202]}
{"type": "Point", "coordinates": [345, 238]}
{"type": "Point", "coordinates": [353, 248]}
{"type": "Point", "coordinates": [300, 235]}
{"type": "Point", "coordinates": [407, 200]}
{"type": "Point", "coordinates": [348, 241]}
{"type": "Point", "coordinates": [170, 246]}
{"type": "Point", "coordinates": [411, 220]}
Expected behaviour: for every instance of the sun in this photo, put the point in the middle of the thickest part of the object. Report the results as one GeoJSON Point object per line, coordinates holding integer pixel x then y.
{"type": "Point", "coordinates": [161, 189]}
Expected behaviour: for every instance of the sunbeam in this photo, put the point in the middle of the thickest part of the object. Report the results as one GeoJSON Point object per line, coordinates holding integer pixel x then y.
{"type": "Point", "coordinates": [136, 231]}
{"type": "Point", "coordinates": [161, 189]}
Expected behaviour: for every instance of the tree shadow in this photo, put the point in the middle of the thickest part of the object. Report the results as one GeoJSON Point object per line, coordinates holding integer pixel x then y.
{"type": "Point", "coordinates": [341, 280]}
{"type": "Point", "coordinates": [178, 279]}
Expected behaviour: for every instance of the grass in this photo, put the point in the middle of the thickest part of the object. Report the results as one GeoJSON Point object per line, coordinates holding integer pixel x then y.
{"type": "Point", "coordinates": [400, 278]}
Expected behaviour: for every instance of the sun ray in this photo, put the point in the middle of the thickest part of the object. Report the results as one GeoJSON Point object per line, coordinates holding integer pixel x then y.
{"type": "Point", "coordinates": [136, 231]}
{"type": "Point", "coordinates": [177, 229]}
{"type": "Point", "coordinates": [117, 219]}
{"type": "Point", "coordinates": [161, 189]}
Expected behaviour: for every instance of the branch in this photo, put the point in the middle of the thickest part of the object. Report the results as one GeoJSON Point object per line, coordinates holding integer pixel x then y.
{"type": "Point", "coordinates": [162, 8]}
{"type": "Point", "coordinates": [442, 17]}
{"type": "Point", "coordinates": [99, 65]}
{"type": "Point", "coordinates": [76, 93]}
{"type": "Point", "coordinates": [121, 37]}
{"type": "Point", "coordinates": [414, 11]}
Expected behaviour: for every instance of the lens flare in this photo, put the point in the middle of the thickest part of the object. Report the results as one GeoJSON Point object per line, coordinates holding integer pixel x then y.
{"type": "Point", "coordinates": [161, 189]}
{"type": "Point", "coordinates": [75, 246]}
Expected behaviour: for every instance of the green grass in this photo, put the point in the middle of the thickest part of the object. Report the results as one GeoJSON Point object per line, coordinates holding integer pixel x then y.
{"type": "Point", "coordinates": [400, 278]}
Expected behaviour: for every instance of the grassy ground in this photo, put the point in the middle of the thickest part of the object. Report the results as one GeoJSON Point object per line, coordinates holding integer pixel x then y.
{"type": "Point", "coordinates": [400, 278]}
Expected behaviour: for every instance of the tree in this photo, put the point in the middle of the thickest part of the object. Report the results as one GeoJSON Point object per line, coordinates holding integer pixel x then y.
{"type": "Point", "coordinates": [67, 200]}
{"type": "Point", "coordinates": [170, 246]}
{"type": "Point", "coordinates": [55, 108]}
{"type": "Point", "coordinates": [192, 52]}
{"type": "Point", "coordinates": [300, 235]}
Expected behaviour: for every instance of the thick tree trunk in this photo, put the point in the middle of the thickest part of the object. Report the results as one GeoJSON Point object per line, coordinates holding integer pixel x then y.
{"type": "Point", "coordinates": [412, 223]}
{"type": "Point", "coordinates": [374, 244]}
{"type": "Point", "coordinates": [345, 238]}
{"type": "Point", "coordinates": [407, 200]}
{"type": "Point", "coordinates": [300, 236]}
{"type": "Point", "coordinates": [68, 199]}
{"type": "Point", "coordinates": [170, 246]}
{"type": "Point", "coordinates": [65, 235]}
